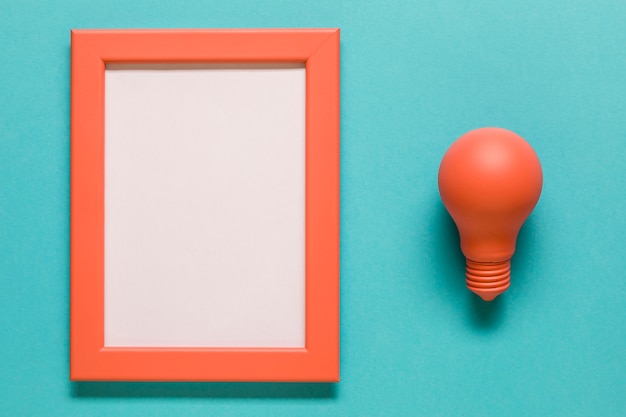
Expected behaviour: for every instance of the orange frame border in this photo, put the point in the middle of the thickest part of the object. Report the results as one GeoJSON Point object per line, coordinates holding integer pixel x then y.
{"type": "Point", "coordinates": [91, 51]}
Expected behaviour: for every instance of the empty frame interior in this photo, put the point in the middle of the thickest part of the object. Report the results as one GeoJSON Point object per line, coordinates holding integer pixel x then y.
{"type": "Point", "coordinates": [204, 206]}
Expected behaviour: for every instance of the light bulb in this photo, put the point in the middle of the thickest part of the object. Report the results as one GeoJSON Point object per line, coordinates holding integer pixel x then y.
{"type": "Point", "coordinates": [490, 180]}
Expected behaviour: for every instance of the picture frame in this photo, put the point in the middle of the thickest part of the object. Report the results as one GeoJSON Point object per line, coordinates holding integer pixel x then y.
{"type": "Point", "coordinates": [318, 51]}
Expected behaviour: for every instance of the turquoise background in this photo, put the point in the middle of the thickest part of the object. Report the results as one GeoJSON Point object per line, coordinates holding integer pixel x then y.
{"type": "Point", "coordinates": [416, 75]}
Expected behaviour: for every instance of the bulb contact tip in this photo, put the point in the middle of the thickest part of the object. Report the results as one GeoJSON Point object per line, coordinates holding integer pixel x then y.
{"type": "Point", "coordinates": [488, 279]}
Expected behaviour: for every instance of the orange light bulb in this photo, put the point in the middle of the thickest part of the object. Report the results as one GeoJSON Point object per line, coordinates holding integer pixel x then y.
{"type": "Point", "coordinates": [489, 180]}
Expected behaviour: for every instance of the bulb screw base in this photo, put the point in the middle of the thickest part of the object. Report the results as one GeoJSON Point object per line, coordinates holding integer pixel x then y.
{"type": "Point", "coordinates": [488, 279]}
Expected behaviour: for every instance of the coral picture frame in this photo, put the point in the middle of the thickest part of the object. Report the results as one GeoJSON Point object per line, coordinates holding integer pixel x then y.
{"type": "Point", "coordinates": [317, 50]}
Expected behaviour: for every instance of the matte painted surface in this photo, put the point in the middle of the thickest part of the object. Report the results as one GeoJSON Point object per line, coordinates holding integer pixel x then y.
{"type": "Point", "coordinates": [89, 361]}
{"type": "Point", "coordinates": [415, 341]}
{"type": "Point", "coordinates": [215, 234]}
{"type": "Point", "coordinates": [489, 180]}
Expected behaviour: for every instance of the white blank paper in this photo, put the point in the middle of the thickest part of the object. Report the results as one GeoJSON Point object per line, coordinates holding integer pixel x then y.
{"type": "Point", "coordinates": [204, 206]}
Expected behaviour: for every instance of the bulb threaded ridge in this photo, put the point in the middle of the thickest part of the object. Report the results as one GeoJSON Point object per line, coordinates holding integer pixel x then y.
{"type": "Point", "coordinates": [488, 279]}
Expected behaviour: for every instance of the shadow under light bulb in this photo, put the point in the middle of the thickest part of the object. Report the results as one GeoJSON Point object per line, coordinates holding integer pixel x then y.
{"type": "Point", "coordinates": [490, 180]}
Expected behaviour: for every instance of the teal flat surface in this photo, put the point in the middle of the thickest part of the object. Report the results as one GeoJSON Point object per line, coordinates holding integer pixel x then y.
{"type": "Point", "coordinates": [416, 75]}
